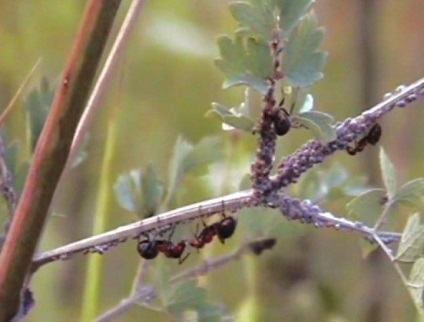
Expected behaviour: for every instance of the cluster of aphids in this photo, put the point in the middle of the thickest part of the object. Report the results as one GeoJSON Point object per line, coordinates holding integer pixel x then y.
{"type": "Point", "coordinates": [223, 229]}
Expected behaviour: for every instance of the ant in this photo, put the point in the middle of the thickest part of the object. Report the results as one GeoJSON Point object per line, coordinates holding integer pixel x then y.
{"type": "Point", "coordinates": [372, 138]}
{"type": "Point", "coordinates": [281, 119]}
{"type": "Point", "coordinates": [223, 229]}
{"type": "Point", "coordinates": [149, 249]}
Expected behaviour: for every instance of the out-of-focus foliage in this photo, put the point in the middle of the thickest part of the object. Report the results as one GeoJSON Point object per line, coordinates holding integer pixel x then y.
{"type": "Point", "coordinates": [163, 88]}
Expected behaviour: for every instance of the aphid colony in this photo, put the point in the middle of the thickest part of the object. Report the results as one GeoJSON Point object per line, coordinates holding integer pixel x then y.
{"type": "Point", "coordinates": [223, 229]}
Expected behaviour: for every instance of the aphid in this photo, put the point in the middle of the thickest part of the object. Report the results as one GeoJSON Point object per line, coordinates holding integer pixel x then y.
{"type": "Point", "coordinates": [372, 138]}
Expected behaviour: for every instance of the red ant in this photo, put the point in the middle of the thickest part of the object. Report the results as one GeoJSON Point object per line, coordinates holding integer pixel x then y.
{"type": "Point", "coordinates": [223, 229]}
{"type": "Point", "coordinates": [149, 249]}
{"type": "Point", "coordinates": [372, 138]}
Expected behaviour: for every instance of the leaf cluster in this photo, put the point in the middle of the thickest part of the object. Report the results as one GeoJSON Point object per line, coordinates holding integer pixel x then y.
{"type": "Point", "coordinates": [246, 58]}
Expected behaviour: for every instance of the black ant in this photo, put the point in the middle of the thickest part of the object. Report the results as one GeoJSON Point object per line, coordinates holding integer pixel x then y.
{"type": "Point", "coordinates": [281, 119]}
{"type": "Point", "coordinates": [372, 138]}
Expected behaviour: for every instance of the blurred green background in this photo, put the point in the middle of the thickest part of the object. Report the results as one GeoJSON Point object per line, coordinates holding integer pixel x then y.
{"type": "Point", "coordinates": [163, 87]}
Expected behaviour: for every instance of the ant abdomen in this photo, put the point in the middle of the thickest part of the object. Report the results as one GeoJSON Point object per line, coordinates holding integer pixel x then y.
{"type": "Point", "coordinates": [147, 249]}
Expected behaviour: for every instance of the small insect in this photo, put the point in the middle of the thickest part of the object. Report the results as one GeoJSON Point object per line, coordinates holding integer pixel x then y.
{"type": "Point", "coordinates": [172, 250]}
{"type": "Point", "coordinates": [205, 237]}
{"type": "Point", "coordinates": [149, 249]}
{"type": "Point", "coordinates": [259, 245]}
{"type": "Point", "coordinates": [225, 228]}
{"type": "Point", "coordinates": [372, 138]}
{"type": "Point", "coordinates": [282, 123]}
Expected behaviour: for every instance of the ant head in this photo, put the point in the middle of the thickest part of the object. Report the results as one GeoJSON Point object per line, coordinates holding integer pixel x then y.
{"type": "Point", "coordinates": [147, 249]}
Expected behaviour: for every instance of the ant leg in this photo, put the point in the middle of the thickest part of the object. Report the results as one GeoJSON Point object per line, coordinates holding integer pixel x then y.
{"type": "Point", "coordinates": [172, 232]}
{"type": "Point", "coordinates": [182, 259]}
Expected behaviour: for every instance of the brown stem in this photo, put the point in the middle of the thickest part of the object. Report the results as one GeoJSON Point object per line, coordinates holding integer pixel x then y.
{"type": "Point", "coordinates": [52, 151]}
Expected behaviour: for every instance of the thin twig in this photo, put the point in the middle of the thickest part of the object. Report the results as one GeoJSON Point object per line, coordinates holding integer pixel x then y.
{"type": "Point", "coordinates": [237, 201]}
{"type": "Point", "coordinates": [104, 78]}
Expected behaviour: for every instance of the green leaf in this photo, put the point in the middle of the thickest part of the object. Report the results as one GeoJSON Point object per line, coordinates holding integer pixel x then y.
{"type": "Point", "coordinates": [259, 17]}
{"type": "Point", "coordinates": [319, 123]}
{"type": "Point", "coordinates": [291, 13]}
{"type": "Point", "coordinates": [232, 117]}
{"type": "Point", "coordinates": [152, 191]}
{"type": "Point", "coordinates": [367, 248]}
{"type": "Point", "coordinates": [416, 282]}
{"type": "Point", "coordinates": [187, 157]}
{"type": "Point", "coordinates": [186, 297]}
{"type": "Point", "coordinates": [367, 206]}
{"type": "Point", "coordinates": [411, 193]}
{"type": "Point", "coordinates": [388, 173]}
{"type": "Point", "coordinates": [303, 63]}
{"type": "Point", "coordinates": [412, 242]}
{"type": "Point", "coordinates": [304, 103]}
{"type": "Point", "coordinates": [244, 62]}
{"type": "Point", "coordinates": [128, 191]}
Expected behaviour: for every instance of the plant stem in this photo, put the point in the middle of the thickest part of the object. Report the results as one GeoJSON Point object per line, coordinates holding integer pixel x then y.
{"type": "Point", "coordinates": [92, 290]}
{"type": "Point", "coordinates": [52, 151]}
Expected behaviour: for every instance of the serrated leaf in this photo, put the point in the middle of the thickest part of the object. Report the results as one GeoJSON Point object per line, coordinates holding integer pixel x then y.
{"type": "Point", "coordinates": [411, 193]}
{"type": "Point", "coordinates": [152, 191]}
{"type": "Point", "coordinates": [412, 241]}
{"type": "Point", "coordinates": [416, 282]}
{"type": "Point", "coordinates": [259, 18]}
{"type": "Point", "coordinates": [232, 117]}
{"type": "Point", "coordinates": [244, 62]}
{"type": "Point", "coordinates": [388, 173]}
{"type": "Point", "coordinates": [291, 12]}
{"type": "Point", "coordinates": [303, 62]}
{"type": "Point", "coordinates": [367, 206]}
{"type": "Point", "coordinates": [128, 191]}
{"type": "Point", "coordinates": [319, 123]}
